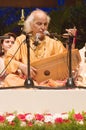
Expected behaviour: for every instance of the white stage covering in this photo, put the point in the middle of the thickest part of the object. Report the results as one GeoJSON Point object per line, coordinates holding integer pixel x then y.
{"type": "Point", "coordinates": [40, 101]}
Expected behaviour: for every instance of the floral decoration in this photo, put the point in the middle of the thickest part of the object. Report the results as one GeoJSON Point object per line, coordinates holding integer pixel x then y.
{"type": "Point", "coordinates": [45, 121]}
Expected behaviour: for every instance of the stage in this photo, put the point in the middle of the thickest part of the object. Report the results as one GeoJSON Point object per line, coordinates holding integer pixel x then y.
{"type": "Point", "coordinates": [35, 100]}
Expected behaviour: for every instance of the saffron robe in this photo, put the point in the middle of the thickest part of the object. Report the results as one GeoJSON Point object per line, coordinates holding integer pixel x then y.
{"type": "Point", "coordinates": [18, 53]}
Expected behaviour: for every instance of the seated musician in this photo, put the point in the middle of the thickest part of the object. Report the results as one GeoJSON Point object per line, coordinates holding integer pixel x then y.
{"type": "Point", "coordinates": [41, 46]}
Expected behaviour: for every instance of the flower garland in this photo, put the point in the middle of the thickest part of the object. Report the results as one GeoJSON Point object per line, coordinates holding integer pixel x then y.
{"type": "Point", "coordinates": [45, 121]}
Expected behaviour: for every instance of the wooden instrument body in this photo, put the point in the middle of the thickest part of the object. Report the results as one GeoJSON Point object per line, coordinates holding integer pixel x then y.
{"type": "Point", "coordinates": [56, 67]}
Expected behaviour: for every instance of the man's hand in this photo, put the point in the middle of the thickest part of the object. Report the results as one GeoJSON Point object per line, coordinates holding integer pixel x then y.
{"type": "Point", "coordinates": [72, 31]}
{"type": "Point", "coordinates": [23, 68]}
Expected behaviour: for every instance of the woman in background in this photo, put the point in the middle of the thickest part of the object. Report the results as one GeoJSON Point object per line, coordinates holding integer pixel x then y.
{"type": "Point", "coordinates": [5, 45]}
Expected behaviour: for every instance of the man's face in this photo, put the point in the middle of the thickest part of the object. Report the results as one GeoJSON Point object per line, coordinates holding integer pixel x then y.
{"type": "Point", "coordinates": [40, 24]}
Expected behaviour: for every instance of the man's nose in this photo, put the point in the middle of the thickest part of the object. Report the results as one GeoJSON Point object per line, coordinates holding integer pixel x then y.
{"type": "Point", "coordinates": [43, 26]}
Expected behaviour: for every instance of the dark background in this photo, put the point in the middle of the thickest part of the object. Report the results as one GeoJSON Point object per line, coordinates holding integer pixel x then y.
{"type": "Point", "coordinates": [64, 14]}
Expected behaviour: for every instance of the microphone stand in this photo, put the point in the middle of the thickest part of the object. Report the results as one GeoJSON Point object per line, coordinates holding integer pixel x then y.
{"type": "Point", "coordinates": [28, 82]}
{"type": "Point", "coordinates": [70, 81]}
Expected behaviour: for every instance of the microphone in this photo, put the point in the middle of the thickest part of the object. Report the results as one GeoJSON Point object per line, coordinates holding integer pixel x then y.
{"type": "Point", "coordinates": [46, 33]}
{"type": "Point", "coordinates": [37, 37]}
{"type": "Point", "coordinates": [51, 35]}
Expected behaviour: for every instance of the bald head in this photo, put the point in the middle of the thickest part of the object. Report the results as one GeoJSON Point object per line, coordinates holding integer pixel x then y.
{"type": "Point", "coordinates": [40, 14]}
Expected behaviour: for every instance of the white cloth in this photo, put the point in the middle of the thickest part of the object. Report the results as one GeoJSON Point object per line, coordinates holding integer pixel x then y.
{"type": "Point", "coordinates": [82, 68]}
{"type": "Point", "coordinates": [2, 67]}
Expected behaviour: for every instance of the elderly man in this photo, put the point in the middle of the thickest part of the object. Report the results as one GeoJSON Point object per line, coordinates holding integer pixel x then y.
{"type": "Point", "coordinates": [41, 46]}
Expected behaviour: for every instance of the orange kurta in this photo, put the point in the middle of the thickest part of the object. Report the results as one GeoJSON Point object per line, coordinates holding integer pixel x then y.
{"type": "Point", "coordinates": [18, 53]}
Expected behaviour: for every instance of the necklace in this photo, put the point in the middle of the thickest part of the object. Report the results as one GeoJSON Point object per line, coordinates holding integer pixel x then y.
{"type": "Point", "coordinates": [40, 50]}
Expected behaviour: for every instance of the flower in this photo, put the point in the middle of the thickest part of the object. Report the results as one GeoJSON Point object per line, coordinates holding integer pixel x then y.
{"type": "Point", "coordinates": [10, 118]}
{"type": "Point", "coordinates": [49, 121]}
{"type": "Point", "coordinates": [78, 117]}
{"type": "Point", "coordinates": [39, 117]}
{"type": "Point", "coordinates": [2, 118]}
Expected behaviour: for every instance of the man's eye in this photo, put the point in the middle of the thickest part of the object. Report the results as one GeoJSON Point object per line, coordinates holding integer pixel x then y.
{"type": "Point", "coordinates": [39, 23]}
{"type": "Point", "coordinates": [45, 24]}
